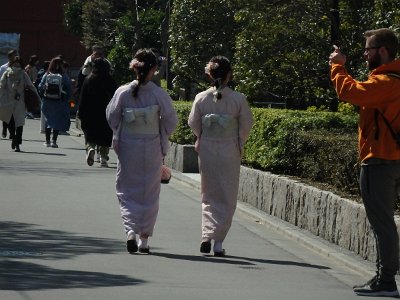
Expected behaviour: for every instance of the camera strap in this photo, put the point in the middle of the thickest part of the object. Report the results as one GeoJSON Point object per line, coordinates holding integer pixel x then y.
{"type": "Point", "coordinates": [395, 136]}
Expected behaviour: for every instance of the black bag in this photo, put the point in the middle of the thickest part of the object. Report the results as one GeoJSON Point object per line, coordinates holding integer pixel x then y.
{"type": "Point", "coordinates": [32, 100]}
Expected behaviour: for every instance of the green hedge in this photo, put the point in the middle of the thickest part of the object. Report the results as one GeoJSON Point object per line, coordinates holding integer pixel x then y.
{"type": "Point", "coordinates": [317, 146]}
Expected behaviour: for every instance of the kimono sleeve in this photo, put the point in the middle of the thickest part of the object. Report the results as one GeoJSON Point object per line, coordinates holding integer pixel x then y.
{"type": "Point", "coordinates": [168, 121]}
{"type": "Point", "coordinates": [194, 121]}
{"type": "Point", "coordinates": [245, 122]}
{"type": "Point", "coordinates": [114, 112]}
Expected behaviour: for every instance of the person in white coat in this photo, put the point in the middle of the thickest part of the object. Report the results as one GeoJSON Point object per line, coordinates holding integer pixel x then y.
{"type": "Point", "coordinates": [12, 102]}
{"type": "Point", "coordinates": [221, 120]}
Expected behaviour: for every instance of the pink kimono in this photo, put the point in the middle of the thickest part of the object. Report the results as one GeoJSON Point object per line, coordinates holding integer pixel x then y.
{"type": "Point", "coordinates": [141, 128]}
{"type": "Point", "coordinates": [222, 127]}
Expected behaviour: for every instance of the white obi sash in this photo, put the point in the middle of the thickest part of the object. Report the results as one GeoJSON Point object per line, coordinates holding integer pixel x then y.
{"type": "Point", "coordinates": [141, 120]}
{"type": "Point", "coordinates": [219, 126]}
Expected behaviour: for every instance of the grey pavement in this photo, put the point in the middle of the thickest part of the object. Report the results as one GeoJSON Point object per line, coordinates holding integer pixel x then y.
{"type": "Point", "coordinates": [61, 237]}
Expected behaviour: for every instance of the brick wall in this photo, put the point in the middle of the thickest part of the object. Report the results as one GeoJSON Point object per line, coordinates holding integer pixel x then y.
{"type": "Point", "coordinates": [40, 25]}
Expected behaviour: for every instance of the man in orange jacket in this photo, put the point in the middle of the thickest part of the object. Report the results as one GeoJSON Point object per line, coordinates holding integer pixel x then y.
{"type": "Point", "coordinates": [379, 100]}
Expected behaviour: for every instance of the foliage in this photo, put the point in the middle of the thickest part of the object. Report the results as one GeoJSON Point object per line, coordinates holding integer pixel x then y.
{"type": "Point", "coordinates": [183, 134]}
{"type": "Point", "coordinates": [199, 30]}
{"type": "Point", "coordinates": [328, 157]}
{"type": "Point", "coordinates": [125, 37]}
{"type": "Point", "coordinates": [283, 49]}
{"type": "Point", "coordinates": [73, 17]}
{"type": "Point", "coordinates": [118, 25]}
{"type": "Point", "coordinates": [96, 16]}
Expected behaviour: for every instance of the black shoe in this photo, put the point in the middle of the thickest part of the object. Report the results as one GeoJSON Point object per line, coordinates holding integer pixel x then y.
{"type": "Point", "coordinates": [144, 250]}
{"type": "Point", "coordinates": [219, 253]}
{"type": "Point", "coordinates": [17, 148]}
{"type": "Point", "coordinates": [205, 247]}
{"type": "Point", "coordinates": [369, 282]}
{"type": "Point", "coordinates": [377, 288]}
{"type": "Point", "coordinates": [4, 135]}
{"type": "Point", "coordinates": [131, 246]}
{"type": "Point", "coordinates": [13, 144]}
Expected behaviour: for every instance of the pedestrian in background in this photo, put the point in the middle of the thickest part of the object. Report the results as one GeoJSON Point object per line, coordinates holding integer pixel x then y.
{"type": "Point", "coordinates": [32, 71]}
{"type": "Point", "coordinates": [31, 68]}
{"type": "Point", "coordinates": [221, 120]}
{"type": "Point", "coordinates": [86, 69]}
{"type": "Point", "coordinates": [41, 73]}
{"type": "Point", "coordinates": [97, 91]}
{"type": "Point", "coordinates": [12, 83]}
{"type": "Point", "coordinates": [378, 99]}
{"type": "Point", "coordinates": [142, 117]}
{"type": "Point", "coordinates": [10, 56]}
{"type": "Point", "coordinates": [55, 106]}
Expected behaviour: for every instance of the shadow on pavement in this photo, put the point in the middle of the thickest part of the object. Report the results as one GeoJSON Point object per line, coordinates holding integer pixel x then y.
{"type": "Point", "coordinates": [238, 260]}
{"type": "Point", "coordinates": [63, 169]}
{"type": "Point", "coordinates": [20, 239]}
{"type": "Point", "coordinates": [43, 153]}
{"type": "Point", "coordinates": [25, 276]}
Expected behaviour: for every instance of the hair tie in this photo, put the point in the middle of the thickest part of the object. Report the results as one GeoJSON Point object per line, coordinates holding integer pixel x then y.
{"type": "Point", "coordinates": [210, 66]}
{"type": "Point", "coordinates": [136, 64]}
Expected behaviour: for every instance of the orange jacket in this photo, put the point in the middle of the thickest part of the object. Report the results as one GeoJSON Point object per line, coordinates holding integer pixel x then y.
{"type": "Point", "coordinates": [380, 92]}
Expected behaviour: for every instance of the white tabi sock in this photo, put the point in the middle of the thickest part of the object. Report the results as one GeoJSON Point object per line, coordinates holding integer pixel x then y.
{"type": "Point", "coordinates": [217, 246]}
{"type": "Point", "coordinates": [131, 235]}
{"type": "Point", "coordinates": [143, 243]}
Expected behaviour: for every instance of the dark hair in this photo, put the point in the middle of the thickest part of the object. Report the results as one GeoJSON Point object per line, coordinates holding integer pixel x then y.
{"type": "Point", "coordinates": [46, 64]}
{"type": "Point", "coordinates": [16, 59]}
{"type": "Point", "coordinates": [384, 37]}
{"type": "Point", "coordinates": [143, 61]}
{"type": "Point", "coordinates": [218, 69]}
{"type": "Point", "coordinates": [33, 59]}
{"type": "Point", "coordinates": [100, 67]}
{"type": "Point", "coordinates": [56, 65]}
{"type": "Point", "coordinates": [11, 54]}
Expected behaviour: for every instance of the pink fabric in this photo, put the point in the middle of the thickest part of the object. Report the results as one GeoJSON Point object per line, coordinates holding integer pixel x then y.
{"type": "Point", "coordinates": [219, 160]}
{"type": "Point", "coordinates": [140, 156]}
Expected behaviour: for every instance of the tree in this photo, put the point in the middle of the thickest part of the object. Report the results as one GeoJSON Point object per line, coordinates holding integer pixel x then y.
{"type": "Point", "coordinates": [199, 30]}
{"type": "Point", "coordinates": [120, 26]}
{"type": "Point", "coordinates": [282, 48]}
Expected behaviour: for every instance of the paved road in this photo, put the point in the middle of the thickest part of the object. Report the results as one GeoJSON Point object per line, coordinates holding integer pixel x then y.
{"type": "Point", "coordinates": [61, 238]}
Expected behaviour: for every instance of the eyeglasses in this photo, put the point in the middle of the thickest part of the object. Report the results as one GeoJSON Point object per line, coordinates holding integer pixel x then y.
{"type": "Point", "coordinates": [370, 48]}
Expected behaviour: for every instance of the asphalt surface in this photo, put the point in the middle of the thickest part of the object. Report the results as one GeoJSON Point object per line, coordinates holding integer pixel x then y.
{"type": "Point", "coordinates": [61, 237]}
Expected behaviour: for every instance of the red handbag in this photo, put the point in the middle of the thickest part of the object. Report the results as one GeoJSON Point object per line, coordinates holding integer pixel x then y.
{"type": "Point", "coordinates": [165, 174]}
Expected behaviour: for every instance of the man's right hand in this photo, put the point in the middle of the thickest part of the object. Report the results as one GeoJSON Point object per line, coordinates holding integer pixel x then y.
{"type": "Point", "coordinates": [337, 57]}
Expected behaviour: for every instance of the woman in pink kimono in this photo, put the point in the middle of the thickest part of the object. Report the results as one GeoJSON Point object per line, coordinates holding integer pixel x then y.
{"type": "Point", "coordinates": [142, 117]}
{"type": "Point", "coordinates": [221, 120]}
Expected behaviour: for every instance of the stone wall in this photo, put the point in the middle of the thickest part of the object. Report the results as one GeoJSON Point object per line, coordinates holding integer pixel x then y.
{"type": "Point", "coordinates": [335, 219]}
{"type": "Point", "coordinates": [182, 158]}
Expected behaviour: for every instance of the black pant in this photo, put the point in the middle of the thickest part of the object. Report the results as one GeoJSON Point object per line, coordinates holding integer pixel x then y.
{"type": "Point", "coordinates": [15, 132]}
{"type": "Point", "coordinates": [5, 127]}
{"type": "Point", "coordinates": [380, 182]}
{"type": "Point", "coordinates": [48, 135]}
